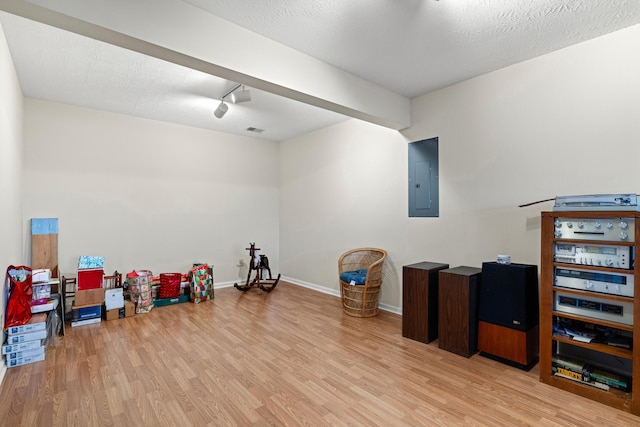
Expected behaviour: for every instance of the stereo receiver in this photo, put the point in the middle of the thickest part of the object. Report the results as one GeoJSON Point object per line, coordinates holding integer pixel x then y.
{"type": "Point", "coordinates": [595, 281]}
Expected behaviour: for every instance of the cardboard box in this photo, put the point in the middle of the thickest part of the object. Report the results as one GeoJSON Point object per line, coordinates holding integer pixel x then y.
{"type": "Point", "coordinates": [31, 357]}
{"type": "Point", "coordinates": [113, 298]}
{"type": "Point", "coordinates": [129, 309]}
{"type": "Point", "coordinates": [90, 321]}
{"type": "Point", "coordinates": [25, 353]}
{"type": "Point", "coordinates": [83, 313]}
{"type": "Point", "coordinates": [27, 345]}
{"type": "Point", "coordinates": [113, 314]}
{"type": "Point", "coordinates": [161, 302]}
{"type": "Point", "coordinates": [37, 322]}
{"type": "Point", "coordinates": [89, 261]}
{"type": "Point", "coordinates": [29, 336]}
{"type": "Point", "coordinates": [51, 304]}
{"type": "Point", "coordinates": [41, 293]}
{"type": "Point", "coordinates": [89, 297]}
{"type": "Point", "coordinates": [40, 275]}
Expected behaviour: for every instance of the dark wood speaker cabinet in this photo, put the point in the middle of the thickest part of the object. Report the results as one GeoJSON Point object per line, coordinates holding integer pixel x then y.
{"type": "Point", "coordinates": [458, 292]}
{"type": "Point", "coordinates": [420, 300]}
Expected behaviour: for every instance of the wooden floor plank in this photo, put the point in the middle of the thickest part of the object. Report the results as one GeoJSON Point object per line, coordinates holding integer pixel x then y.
{"type": "Point", "coordinates": [289, 357]}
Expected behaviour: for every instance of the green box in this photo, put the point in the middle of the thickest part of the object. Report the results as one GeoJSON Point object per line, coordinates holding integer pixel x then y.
{"type": "Point", "coordinates": [169, 301]}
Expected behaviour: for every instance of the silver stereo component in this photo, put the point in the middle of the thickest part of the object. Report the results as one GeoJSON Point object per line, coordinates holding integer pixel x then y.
{"type": "Point", "coordinates": [597, 202]}
{"type": "Point", "coordinates": [595, 281]}
{"type": "Point", "coordinates": [610, 229]}
{"type": "Point", "coordinates": [594, 307]}
{"type": "Point", "coordinates": [596, 255]}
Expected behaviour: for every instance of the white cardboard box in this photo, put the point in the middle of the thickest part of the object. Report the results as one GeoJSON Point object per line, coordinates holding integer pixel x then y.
{"type": "Point", "coordinates": [29, 336]}
{"type": "Point", "coordinates": [27, 345]}
{"type": "Point", "coordinates": [86, 322]}
{"type": "Point", "coordinates": [27, 357]}
{"type": "Point", "coordinates": [40, 275]}
{"type": "Point", "coordinates": [113, 298]}
{"type": "Point", "coordinates": [37, 322]}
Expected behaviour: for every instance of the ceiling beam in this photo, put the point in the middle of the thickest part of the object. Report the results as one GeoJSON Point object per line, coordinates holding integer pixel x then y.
{"type": "Point", "coordinates": [183, 34]}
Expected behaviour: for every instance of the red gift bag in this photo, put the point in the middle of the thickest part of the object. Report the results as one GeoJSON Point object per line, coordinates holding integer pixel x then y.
{"type": "Point", "coordinates": [20, 289]}
{"type": "Point", "coordinates": [170, 285]}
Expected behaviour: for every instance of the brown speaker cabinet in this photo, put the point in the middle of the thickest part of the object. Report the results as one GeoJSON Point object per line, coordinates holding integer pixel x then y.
{"type": "Point", "coordinates": [420, 301]}
{"type": "Point", "coordinates": [458, 291]}
{"type": "Point", "coordinates": [614, 316]}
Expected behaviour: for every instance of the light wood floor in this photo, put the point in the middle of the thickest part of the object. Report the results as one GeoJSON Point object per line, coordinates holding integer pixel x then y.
{"type": "Point", "coordinates": [290, 357]}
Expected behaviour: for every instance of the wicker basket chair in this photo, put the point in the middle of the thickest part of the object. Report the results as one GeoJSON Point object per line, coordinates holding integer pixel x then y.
{"type": "Point", "coordinates": [363, 266]}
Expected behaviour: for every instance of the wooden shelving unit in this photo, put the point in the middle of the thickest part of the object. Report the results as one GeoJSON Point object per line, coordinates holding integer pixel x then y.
{"type": "Point", "coordinates": [554, 345]}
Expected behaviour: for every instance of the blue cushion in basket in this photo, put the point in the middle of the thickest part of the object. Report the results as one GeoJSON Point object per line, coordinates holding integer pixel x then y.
{"type": "Point", "coordinates": [358, 276]}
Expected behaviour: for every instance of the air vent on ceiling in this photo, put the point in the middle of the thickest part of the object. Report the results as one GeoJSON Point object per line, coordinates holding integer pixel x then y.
{"type": "Point", "coordinates": [256, 130]}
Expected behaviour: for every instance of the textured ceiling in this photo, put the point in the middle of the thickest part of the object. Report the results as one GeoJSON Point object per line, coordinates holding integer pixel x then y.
{"type": "Point", "coordinates": [416, 46]}
{"type": "Point", "coordinates": [410, 47]}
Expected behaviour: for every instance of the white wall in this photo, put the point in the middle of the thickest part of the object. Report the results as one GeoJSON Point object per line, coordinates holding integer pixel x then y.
{"type": "Point", "coordinates": [565, 123]}
{"type": "Point", "coordinates": [10, 171]}
{"type": "Point", "coordinates": [153, 195]}
{"type": "Point", "coordinates": [147, 194]}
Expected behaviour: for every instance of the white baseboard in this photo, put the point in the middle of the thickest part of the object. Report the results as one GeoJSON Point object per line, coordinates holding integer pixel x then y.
{"type": "Point", "coordinates": [226, 284]}
{"type": "Point", "coordinates": [323, 289]}
{"type": "Point", "coordinates": [336, 293]}
{"type": "Point", "coordinates": [3, 370]}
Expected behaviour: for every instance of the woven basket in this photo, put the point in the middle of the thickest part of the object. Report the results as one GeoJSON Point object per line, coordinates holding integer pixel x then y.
{"type": "Point", "coordinates": [362, 300]}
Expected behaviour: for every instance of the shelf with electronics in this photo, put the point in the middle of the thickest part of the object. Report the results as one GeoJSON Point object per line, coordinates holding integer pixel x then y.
{"type": "Point", "coordinates": [589, 317]}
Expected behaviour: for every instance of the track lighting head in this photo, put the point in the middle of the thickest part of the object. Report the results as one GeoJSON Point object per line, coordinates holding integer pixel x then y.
{"type": "Point", "coordinates": [221, 110]}
{"type": "Point", "coordinates": [236, 97]}
{"type": "Point", "coordinates": [240, 96]}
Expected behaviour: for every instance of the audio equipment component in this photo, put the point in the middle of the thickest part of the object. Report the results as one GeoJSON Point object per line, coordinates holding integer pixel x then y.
{"type": "Point", "coordinates": [596, 255]}
{"type": "Point", "coordinates": [458, 289]}
{"type": "Point", "coordinates": [610, 229]}
{"type": "Point", "coordinates": [509, 295]}
{"type": "Point", "coordinates": [508, 314]}
{"type": "Point", "coordinates": [595, 281]}
{"type": "Point", "coordinates": [595, 202]}
{"type": "Point", "coordinates": [594, 307]}
{"type": "Point", "coordinates": [420, 300]}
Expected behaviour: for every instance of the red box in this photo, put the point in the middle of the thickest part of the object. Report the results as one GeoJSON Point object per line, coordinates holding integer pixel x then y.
{"type": "Point", "coordinates": [90, 278]}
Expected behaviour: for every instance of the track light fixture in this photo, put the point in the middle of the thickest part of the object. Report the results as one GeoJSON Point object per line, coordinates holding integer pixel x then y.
{"type": "Point", "coordinates": [236, 97]}
{"type": "Point", "coordinates": [240, 96]}
{"type": "Point", "coordinates": [221, 110]}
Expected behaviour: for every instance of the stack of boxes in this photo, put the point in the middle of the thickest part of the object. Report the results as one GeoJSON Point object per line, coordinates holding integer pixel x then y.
{"type": "Point", "coordinates": [115, 307]}
{"type": "Point", "coordinates": [25, 343]}
{"type": "Point", "coordinates": [41, 279]}
{"type": "Point", "coordinates": [42, 300]}
{"type": "Point", "coordinates": [89, 296]}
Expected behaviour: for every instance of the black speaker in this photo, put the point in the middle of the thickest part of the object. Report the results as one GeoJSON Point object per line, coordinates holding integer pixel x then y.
{"type": "Point", "coordinates": [509, 295]}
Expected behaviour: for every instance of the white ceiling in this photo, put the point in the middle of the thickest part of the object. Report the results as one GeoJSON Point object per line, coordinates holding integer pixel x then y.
{"type": "Point", "coordinates": [408, 47]}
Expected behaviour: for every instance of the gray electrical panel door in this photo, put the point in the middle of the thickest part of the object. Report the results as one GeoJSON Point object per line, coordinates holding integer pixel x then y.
{"type": "Point", "coordinates": [423, 178]}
